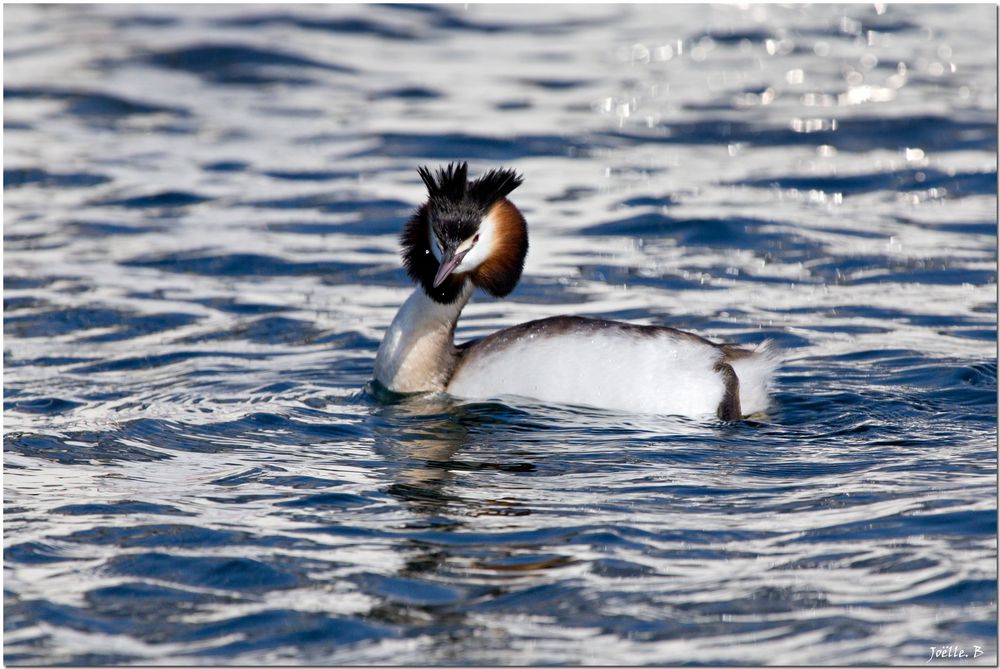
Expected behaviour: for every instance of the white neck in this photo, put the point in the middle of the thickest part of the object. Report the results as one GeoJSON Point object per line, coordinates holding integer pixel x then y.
{"type": "Point", "coordinates": [417, 353]}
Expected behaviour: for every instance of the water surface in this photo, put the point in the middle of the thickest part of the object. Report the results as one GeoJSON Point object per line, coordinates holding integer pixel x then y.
{"type": "Point", "coordinates": [201, 215]}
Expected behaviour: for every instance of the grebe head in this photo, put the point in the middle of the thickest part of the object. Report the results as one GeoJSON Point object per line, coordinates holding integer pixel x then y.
{"type": "Point", "coordinates": [467, 230]}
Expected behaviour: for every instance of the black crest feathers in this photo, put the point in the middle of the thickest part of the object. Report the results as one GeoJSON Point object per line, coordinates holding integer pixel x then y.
{"type": "Point", "coordinates": [449, 184]}
{"type": "Point", "coordinates": [493, 186]}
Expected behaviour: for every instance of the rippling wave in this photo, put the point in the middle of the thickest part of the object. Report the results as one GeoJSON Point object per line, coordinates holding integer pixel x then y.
{"type": "Point", "coordinates": [201, 219]}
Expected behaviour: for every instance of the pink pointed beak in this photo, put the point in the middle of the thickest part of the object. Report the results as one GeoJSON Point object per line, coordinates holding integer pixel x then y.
{"type": "Point", "coordinates": [449, 262]}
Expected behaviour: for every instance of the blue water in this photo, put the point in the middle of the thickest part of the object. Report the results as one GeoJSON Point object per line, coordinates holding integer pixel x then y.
{"type": "Point", "coordinates": [201, 209]}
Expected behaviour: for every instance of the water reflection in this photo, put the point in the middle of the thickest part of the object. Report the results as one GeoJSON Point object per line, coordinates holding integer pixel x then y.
{"type": "Point", "coordinates": [425, 437]}
{"type": "Point", "coordinates": [426, 440]}
{"type": "Point", "coordinates": [421, 437]}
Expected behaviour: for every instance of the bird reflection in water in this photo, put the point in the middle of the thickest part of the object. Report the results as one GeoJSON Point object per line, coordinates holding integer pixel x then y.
{"type": "Point", "coordinates": [424, 439]}
{"type": "Point", "coordinates": [425, 436]}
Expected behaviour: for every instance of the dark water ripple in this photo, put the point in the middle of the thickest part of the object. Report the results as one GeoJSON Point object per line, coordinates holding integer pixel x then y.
{"type": "Point", "coordinates": [201, 213]}
{"type": "Point", "coordinates": [90, 103]}
{"type": "Point", "coordinates": [956, 184]}
{"type": "Point", "coordinates": [242, 264]}
{"type": "Point", "coordinates": [14, 178]}
{"type": "Point", "coordinates": [461, 146]}
{"type": "Point", "coordinates": [352, 26]}
{"type": "Point", "coordinates": [936, 133]}
{"type": "Point", "coordinates": [156, 200]}
{"type": "Point", "coordinates": [240, 64]}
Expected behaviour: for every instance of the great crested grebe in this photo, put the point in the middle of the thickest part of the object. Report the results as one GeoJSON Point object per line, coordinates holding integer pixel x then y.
{"type": "Point", "coordinates": [469, 235]}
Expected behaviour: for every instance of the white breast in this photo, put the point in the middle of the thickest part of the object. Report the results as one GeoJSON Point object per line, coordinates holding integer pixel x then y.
{"type": "Point", "coordinates": [417, 353]}
{"type": "Point", "coordinates": [613, 370]}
